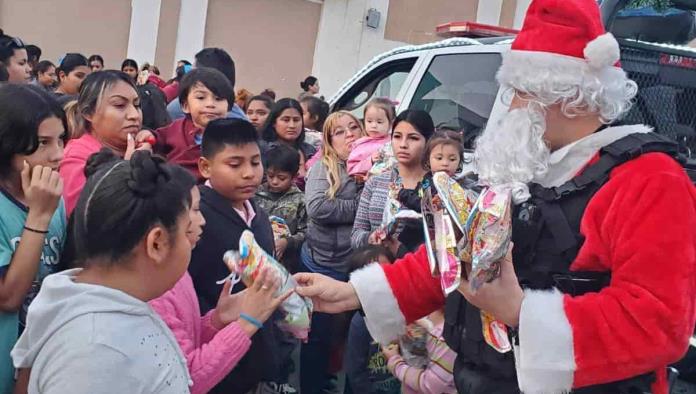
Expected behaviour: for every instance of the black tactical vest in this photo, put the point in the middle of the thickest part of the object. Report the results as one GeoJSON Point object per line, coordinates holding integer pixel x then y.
{"type": "Point", "coordinates": [546, 237]}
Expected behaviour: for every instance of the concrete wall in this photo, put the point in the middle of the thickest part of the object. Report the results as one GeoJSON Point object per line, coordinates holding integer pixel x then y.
{"type": "Point", "coordinates": [345, 43]}
{"type": "Point", "coordinates": [166, 37]}
{"type": "Point", "coordinates": [271, 41]}
{"type": "Point", "coordinates": [60, 26]}
{"type": "Point", "coordinates": [414, 21]}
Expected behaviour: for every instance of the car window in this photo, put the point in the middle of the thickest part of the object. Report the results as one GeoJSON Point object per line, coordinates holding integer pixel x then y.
{"type": "Point", "coordinates": [459, 91]}
{"type": "Point", "coordinates": [384, 81]}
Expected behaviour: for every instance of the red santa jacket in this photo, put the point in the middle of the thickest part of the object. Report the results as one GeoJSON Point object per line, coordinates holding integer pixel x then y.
{"type": "Point", "coordinates": [641, 227]}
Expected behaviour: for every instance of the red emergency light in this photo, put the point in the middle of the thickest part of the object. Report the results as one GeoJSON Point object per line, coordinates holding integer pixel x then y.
{"type": "Point", "coordinates": [472, 30]}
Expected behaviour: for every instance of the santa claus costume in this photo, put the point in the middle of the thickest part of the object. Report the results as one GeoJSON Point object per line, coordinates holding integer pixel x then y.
{"type": "Point", "coordinates": [629, 212]}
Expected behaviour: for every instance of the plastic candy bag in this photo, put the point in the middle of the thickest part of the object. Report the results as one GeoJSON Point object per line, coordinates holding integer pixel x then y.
{"type": "Point", "coordinates": [279, 227]}
{"type": "Point", "coordinates": [490, 226]}
{"type": "Point", "coordinates": [247, 264]}
{"type": "Point", "coordinates": [397, 224]}
{"type": "Point", "coordinates": [440, 241]}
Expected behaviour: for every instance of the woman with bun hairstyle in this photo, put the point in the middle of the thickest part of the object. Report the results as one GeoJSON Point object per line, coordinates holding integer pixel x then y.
{"type": "Point", "coordinates": [214, 343]}
{"type": "Point", "coordinates": [310, 87]}
{"type": "Point", "coordinates": [90, 329]}
{"type": "Point", "coordinates": [107, 114]}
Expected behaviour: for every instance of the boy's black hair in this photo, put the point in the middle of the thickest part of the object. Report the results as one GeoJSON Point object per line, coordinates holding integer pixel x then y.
{"type": "Point", "coordinates": [129, 62]}
{"type": "Point", "coordinates": [42, 67]}
{"type": "Point", "coordinates": [97, 58]}
{"type": "Point", "coordinates": [22, 109]}
{"type": "Point", "coordinates": [72, 61]}
{"type": "Point", "coordinates": [218, 59]}
{"type": "Point", "coordinates": [186, 62]}
{"type": "Point", "coordinates": [268, 132]}
{"type": "Point", "coordinates": [33, 54]}
{"type": "Point", "coordinates": [283, 158]}
{"type": "Point", "coordinates": [222, 132]}
{"type": "Point", "coordinates": [317, 107]}
{"type": "Point", "coordinates": [211, 79]}
{"type": "Point", "coordinates": [366, 255]}
{"type": "Point", "coordinates": [123, 200]}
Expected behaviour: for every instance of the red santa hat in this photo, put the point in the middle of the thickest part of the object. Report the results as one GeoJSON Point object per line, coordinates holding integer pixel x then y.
{"type": "Point", "coordinates": [561, 42]}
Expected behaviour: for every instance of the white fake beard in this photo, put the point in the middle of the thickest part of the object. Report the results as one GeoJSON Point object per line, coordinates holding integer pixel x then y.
{"type": "Point", "coordinates": [513, 150]}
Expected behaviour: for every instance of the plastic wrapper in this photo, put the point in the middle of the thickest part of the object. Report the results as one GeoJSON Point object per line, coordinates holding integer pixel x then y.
{"type": "Point", "coordinates": [490, 226]}
{"type": "Point", "coordinates": [385, 163]}
{"type": "Point", "coordinates": [279, 227]}
{"type": "Point", "coordinates": [397, 224]}
{"type": "Point", "coordinates": [247, 264]}
{"type": "Point", "coordinates": [440, 241]}
{"type": "Point", "coordinates": [413, 345]}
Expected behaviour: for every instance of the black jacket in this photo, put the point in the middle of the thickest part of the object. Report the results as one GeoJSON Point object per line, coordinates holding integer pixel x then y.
{"type": "Point", "coordinates": [222, 231]}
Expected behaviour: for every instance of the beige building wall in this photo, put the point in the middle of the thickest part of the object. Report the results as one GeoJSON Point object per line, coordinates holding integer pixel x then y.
{"type": "Point", "coordinates": [166, 38]}
{"type": "Point", "coordinates": [414, 21]}
{"type": "Point", "coordinates": [271, 41]}
{"type": "Point", "coordinates": [61, 26]}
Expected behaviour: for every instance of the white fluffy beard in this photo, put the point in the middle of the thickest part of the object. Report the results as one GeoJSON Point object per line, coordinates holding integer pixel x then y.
{"type": "Point", "coordinates": [513, 150]}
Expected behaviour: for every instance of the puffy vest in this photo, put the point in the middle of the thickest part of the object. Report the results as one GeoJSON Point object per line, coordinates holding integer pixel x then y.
{"type": "Point", "coordinates": [546, 236]}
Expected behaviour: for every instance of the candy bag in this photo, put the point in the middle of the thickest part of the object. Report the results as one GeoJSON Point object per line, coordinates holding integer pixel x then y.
{"type": "Point", "coordinates": [413, 345]}
{"type": "Point", "coordinates": [279, 227]}
{"type": "Point", "coordinates": [397, 224]}
{"type": "Point", "coordinates": [490, 225]}
{"type": "Point", "coordinates": [495, 333]}
{"type": "Point", "coordinates": [458, 201]}
{"type": "Point", "coordinates": [440, 240]}
{"type": "Point", "coordinates": [247, 264]}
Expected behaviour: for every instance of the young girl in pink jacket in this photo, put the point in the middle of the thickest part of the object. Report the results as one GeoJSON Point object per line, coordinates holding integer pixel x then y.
{"type": "Point", "coordinates": [379, 116]}
{"type": "Point", "coordinates": [214, 343]}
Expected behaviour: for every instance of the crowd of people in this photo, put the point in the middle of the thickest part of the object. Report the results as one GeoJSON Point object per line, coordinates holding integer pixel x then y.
{"type": "Point", "coordinates": [121, 192]}
{"type": "Point", "coordinates": [194, 162]}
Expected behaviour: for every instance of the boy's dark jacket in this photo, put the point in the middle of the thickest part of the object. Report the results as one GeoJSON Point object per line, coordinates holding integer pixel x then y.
{"type": "Point", "coordinates": [222, 231]}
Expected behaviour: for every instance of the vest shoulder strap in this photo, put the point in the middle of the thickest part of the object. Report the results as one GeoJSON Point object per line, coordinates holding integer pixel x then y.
{"type": "Point", "coordinates": [611, 156]}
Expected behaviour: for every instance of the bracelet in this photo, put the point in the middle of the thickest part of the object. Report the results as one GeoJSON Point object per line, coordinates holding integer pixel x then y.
{"type": "Point", "coordinates": [33, 230]}
{"type": "Point", "coordinates": [251, 320]}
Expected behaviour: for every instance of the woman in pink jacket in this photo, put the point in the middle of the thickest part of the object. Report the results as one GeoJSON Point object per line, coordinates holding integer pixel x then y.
{"type": "Point", "coordinates": [214, 343]}
{"type": "Point", "coordinates": [107, 112]}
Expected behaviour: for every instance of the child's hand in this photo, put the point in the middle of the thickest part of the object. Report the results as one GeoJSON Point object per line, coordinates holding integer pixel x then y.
{"type": "Point", "coordinates": [280, 246]}
{"type": "Point", "coordinates": [377, 156]}
{"type": "Point", "coordinates": [42, 188]}
{"type": "Point", "coordinates": [390, 350]}
{"type": "Point", "coordinates": [228, 306]}
{"type": "Point", "coordinates": [376, 237]}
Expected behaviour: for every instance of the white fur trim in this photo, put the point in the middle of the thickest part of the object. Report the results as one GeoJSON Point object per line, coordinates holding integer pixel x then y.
{"type": "Point", "coordinates": [545, 358]}
{"type": "Point", "coordinates": [522, 69]}
{"type": "Point", "coordinates": [382, 314]}
{"type": "Point", "coordinates": [603, 51]}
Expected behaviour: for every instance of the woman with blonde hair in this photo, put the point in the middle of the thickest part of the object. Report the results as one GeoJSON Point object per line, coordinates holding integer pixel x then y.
{"type": "Point", "coordinates": [332, 200]}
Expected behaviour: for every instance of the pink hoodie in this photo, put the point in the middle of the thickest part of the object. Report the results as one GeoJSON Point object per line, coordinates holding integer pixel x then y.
{"type": "Point", "coordinates": [72, 168]}
{"type": "Point", "coordinates": [360, 159]}
{"type": "Point", "coordinates": [210, 354]}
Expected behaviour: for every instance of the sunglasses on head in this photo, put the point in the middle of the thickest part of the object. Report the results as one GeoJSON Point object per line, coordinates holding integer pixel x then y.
{"type": "Point", "coordinates": [9, 42]}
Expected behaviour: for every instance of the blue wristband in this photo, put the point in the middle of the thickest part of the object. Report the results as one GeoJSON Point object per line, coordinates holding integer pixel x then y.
{"type": "Point", "coordinates": [251, 320]}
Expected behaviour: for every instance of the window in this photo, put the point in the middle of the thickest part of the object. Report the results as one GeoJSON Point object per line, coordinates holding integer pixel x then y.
{"type": "Point", "coordinates": [384, 81]}
{"type": "Point", "coordinates": [459, 91]}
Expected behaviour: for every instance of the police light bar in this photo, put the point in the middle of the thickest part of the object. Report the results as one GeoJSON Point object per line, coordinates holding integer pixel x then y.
{"type": "Point", "coordinates": [472, 30]}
